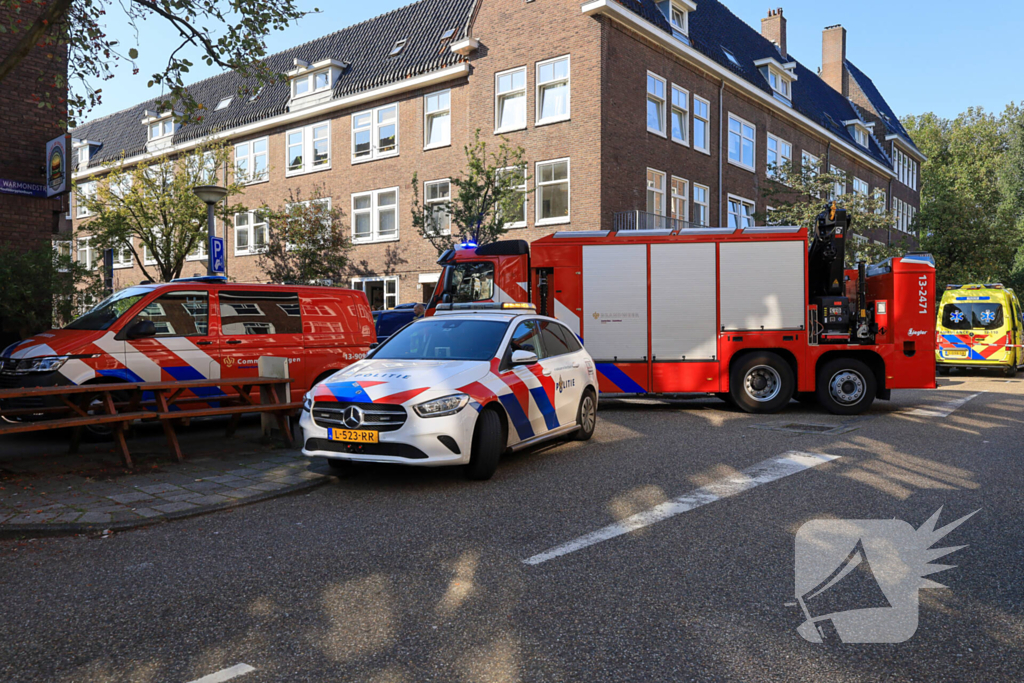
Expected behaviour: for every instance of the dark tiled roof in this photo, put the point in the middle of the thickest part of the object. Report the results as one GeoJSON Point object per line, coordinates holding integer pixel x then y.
{"type": "Point", "coordinates": [713, 27]}
{"type": "Point", "coordinates": [365, 45]}
{"type": "Point", "coordinates": [879, 103]}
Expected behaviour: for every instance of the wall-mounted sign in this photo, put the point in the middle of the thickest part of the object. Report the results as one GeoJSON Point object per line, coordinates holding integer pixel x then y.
{"type": "Point", "coordinates": [25, 189]}
{"type": "Point", "coordinates": [58, 166]}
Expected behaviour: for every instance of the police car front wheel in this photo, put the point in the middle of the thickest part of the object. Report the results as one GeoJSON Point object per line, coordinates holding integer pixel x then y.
{"type": "Point", "coordinates": [586, 417]}
{"type": "Point", "coordinates": [488, 443]}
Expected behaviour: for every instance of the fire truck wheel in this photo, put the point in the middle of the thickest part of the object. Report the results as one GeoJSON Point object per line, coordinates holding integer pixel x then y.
{"type": "Point", "coordinates": [586, 417]}
{"type": "Point", "coordinates": [487, 447]}
{"type": "Point", "coordinates": [846, 386]}
{"type": "Point", "coordinates": [761, 383]}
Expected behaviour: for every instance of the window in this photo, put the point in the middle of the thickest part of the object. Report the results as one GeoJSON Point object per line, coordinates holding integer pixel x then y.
{"type": "Point", "coordinates": [839, 188]}
{"type": "Point", "coordinates": [860, 187]}
{"type": "Point", "coordinates": [731, 57]}
{"type": "Point", "coordinates": [62, 255]}
{"type": "Point", "coordinates": [811, 164]}
{"type": "Point", "coordinates": [905, 167]}
{"type": "Point", "coordinates": [247, 313]}
{"type": "Point", "coordinates": [741, 143]}
{"type": "Point", "coordinates": [700, 205]}
{"type": "Point", "coordinates": [679, 19]}
{"type": "Point", "coordinates": [680, 115]}
{"type": "Point", "coordinates": [471, 282]}
{"type": "Point", "coordinates": [86, 254]}
{"type": "Point", "coordinates": [553, 90]}
{"type": "Point", "coordinates": [680, 199]}
{"type": "Point", "coordinates": [375, 216]}
{"type": "Point", "coordinates": [382, 292]}
{"type": "Point", "coordinates": [519, 213]}
{"type": "Point", "coordinates": [123, 257]}
{"type": "Point", "coordinates": [655, 192]}
{"type": "Point", "coordinates": [250, 233]}
{"type": "Point", "coordinates": [556, 339]}
{"type": "Point", "coordinates": [553, 192]}
{"type": "Point", "coordinates": [310, 83]}
{"type": "Point", "coordinates": [437, 194]}
{"type": "Point", "coordinates": [178, 314]}
{"type": "Point", "coordinates": [149, 255]}
{"type": "Point", "coordinates": [780, 83]}
{"type": "Point", "coordinates": [223, 104]}
{"type": "Point", "coordinates": [741, 212]}
{"type": "Point", "coordinates": [397, 49]}
{"type": "Point", "coordinates": [204, 168]}
{"type": "Point", "coordinates": [780, 153]}
{"type": "Point", "coordinates": [882, 203]}
{"type": "Point", "coordinates": [86, 191]}
{"type": "Point", "coordinates": [655, 104]}
{"type": "Point", "coordinates": [510, 100]}
{"type": "Point", "coordinates": [251, 161]}
{"type": "Point", "coordinates": [162, 129]}
{"type": "Point", "coordinates": [375, 133]}
{"type": "Point", "coordinates": [309, 149]}
{"type": "Point", "coordinates": [701, 125]}
{"type": "Point", "coordinates": [861, 136]}
{"type": "Point", "coordinates": [437, 127]}
{"type": "Point", "coordinates": [198, 252]}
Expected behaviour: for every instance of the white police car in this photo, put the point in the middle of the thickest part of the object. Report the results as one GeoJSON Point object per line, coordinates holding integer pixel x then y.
{"type": "Point", "coordinates": [458, 388]}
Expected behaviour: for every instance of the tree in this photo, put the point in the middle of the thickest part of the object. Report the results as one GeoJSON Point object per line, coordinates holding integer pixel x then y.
{"type": "Point", "coordinates": [152, 203]}
{"type": "Point", "coordinates": [230, 34]}
{"type": "Point", "coordinates": [488, 191]}
{"type": "Point", "coordinates": [961, 221]}
{"type": "Point", "coordinates": [308, 242]}
{"type": "Point", "coordinates": [52, 297]}
{"type": "Point", "coordinates": [1011, 185]}
{"type": "Point", "coordinates": [798, 193]}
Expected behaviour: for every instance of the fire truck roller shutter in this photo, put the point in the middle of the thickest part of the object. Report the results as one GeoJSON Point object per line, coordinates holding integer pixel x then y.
{"type": "Point", "coordinates": [762, 285]}
{"type": "Point", "coordinates": [683, 325]}
{"type": "Point", "coordinates": [615, 302]}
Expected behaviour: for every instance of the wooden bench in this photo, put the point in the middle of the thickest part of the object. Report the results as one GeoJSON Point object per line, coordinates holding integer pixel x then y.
{"type": "Point", "coordinates": [118, 404]}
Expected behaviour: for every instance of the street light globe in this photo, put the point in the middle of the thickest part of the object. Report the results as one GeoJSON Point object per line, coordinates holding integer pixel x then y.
{"type": "Point", "coordinates": [210, 194]}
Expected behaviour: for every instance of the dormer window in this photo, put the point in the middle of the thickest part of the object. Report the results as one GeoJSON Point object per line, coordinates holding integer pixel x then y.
{"type": "Point", "coordinates": [83, 152]}
{"type": "Point", "coordinates": [780, 77]}
{"type": "Point", "coordinates": [860, 131]}
{"type": "Point", "coordinates": [317, 78]}
{"type": "Point", "coordinates": [307, 84]}
{"type": "Point", "coordinates": [160, 125]}
{"type": "Point", "coordinates": [678, 14]}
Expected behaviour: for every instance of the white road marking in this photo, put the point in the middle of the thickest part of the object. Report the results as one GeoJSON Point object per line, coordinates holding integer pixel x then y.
{"type": "Point", "coordinates": [761, 473]}
{"type": "Point", "coordinates": [943, 409]}
{"type": "Point", "coordinates": [226, 674]}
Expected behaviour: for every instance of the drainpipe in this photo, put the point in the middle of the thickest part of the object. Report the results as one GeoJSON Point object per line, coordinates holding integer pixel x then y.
{"type": "Point", "coordinates": [888, 212]}
{"type": "Point", "coordinates": [721, 148]}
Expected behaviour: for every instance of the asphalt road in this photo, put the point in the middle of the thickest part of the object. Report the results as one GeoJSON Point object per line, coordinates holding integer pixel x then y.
{"type": "Point", "coordinates": [398, 575]}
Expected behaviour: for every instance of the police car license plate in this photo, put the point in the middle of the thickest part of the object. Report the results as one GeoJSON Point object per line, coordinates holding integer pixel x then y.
{"type": "Point", "coordinates": [353, 435]}
{"type": "Point", "coordinates": [957, 353]}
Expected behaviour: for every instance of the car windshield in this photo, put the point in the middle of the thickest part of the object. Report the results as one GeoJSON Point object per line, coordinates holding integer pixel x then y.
{"type": "Point", "coordinates": [973, 316]}
{"type": "Point", "coordinates": [109, 310]}
{"type": "Point", "coordinates": [444, 339]}
{"type": "Point", "coordinates": [471, 282]}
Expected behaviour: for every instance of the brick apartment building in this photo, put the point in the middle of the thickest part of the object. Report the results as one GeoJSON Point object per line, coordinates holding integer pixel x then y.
{"type": "Point", "coordinates": [673, 108]}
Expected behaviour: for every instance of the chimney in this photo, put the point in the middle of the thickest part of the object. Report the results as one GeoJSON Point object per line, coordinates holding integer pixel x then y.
{"type": "Point", "coordinates": [833, 58]}
{"type": "Point", "coordinates": [773, 27]}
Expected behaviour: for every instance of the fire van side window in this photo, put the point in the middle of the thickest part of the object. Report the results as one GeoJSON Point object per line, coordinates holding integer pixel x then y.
{"type": "Point", "coordinates": [178, 314]}
{"type": "Point", "coordinates": [247, 313]}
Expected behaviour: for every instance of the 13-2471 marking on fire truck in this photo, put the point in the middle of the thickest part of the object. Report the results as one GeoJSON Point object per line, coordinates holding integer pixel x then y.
{"type": "Point", "coordinates": [922, 300]}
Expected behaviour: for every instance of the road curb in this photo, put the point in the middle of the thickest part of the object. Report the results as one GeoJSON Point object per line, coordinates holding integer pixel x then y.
{"type": "Point", "coordinates": [19, 531]}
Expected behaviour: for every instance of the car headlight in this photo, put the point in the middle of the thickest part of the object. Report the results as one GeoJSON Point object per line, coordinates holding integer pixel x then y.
{"type": "Point", "coordinates": [307, 403]}
{"type": "Point", "coordinates": [45, 364]}
{"type": "Point", "coordinates": [448, 405]}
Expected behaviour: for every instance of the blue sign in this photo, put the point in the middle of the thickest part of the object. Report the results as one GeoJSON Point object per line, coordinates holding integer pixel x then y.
{"type": "Point", "coordinates": [217, 254]}
{"type": "Point", "coordinates": [19, 187]}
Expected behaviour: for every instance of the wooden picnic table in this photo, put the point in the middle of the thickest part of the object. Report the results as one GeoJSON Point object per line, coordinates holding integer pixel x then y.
{"type": "Point", "coordinates": [123, 403]}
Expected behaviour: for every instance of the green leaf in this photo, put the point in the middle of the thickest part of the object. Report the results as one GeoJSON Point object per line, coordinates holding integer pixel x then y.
{"type": "Point", "coordinates": [133, 53]}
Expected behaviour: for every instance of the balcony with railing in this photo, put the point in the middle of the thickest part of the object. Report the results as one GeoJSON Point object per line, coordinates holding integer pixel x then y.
{"type": "Point", "coordinates": [641, 220]}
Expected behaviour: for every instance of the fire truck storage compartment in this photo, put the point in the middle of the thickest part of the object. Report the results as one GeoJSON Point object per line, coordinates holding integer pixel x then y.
{"type": "Point", "coordinates": [762, 285]}
{"type": "Point", "coordinates": [615, 302]}
{"type": "Point", "coordinates": [683, 315]}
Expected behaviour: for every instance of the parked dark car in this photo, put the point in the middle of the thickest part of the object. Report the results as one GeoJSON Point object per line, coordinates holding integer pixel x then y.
{"type": "Point", "coordinates": [389, 322]}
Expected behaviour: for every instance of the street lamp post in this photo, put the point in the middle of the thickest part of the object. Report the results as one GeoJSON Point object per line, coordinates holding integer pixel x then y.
{"type": "Point", "coordinates": [210, 194]}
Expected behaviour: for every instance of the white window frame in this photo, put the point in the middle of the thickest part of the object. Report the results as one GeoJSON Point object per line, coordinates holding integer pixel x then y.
{"type": "Point", "coordinates": [307, 143]}
{"type": "Point", "coordinates": [428, 202]}
{"type": "Point", "coordinates": [656, 181]}
{"type": "Point", "coordinates": [123, 258]}
{"type": "Point", "coordinates": [359, 283]}
{"type": "Point", "coordinates": [538, 221]}
{"type": "Point", "coordinates": [538, 91]}
{"type": "Point", "coordinates": [684, 198]}
{"type": "Point", "coordinates": [684, 13]}
{"type": "Point", "coordinates": [707, 124]}
{"type": "Point", "coordinates": [499, 96]}
{"type": "Point", "coordinates": [374, 129]}
{"type": "Point", "coordinates": [430, 116]}
{"type": "Point", "coordinates": [684, 110]}
{"type": "Point", "coordinates": [250, 160]}
{"type": "Point", "coordinates": [663, 105]}
{"type": "Point", "coordinates": [861, 187]}
{"type": "Point", "coordinates": [322, 200]}
{"type": "Point", "coordinates": [783, 85]}
{"type": "Point", "coordinates": [200, 251]}
{"type": "Point", "coordinates": [309, 79]}
{"type": "Point", "coordinates": [781, 158]}
{"type": "Point", "coordinates": [66, 246]}
{"type": "Point", "coordinates": [838, 191]}
{"type": "Point", "coordinates": [250, 230]}
{"type": "Point", "coordinates": [526, 199]}
{"type": "Point", "coordinates": [85, 244]}
{"type": "Point", "coordinates": [85, 189]}
{"type": "Point", "coordinates": [741, 138]}
{"type": "Point", "coordinates": [375, 212]}
{"type": "Point", "coordinates": [705, 204]}
{"type": "Point", "coordinates": [741, 201]}
{"type": "Point", "coordinates": [166, 127]}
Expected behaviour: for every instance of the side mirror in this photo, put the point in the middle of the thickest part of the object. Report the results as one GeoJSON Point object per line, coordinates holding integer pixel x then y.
{"type": "Point", "coordinates": [446, 299]}
{"type": "Point", "coordinates": [520, 357]}
{"type": "Point", "coordinates": [374, 345]}
{"type": "Point", "coordinates": [141, 330]}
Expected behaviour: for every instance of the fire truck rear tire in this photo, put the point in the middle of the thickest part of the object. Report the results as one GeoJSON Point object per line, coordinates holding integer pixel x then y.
{"type": "Point", "coordinates": [846, 386]}
{"type": "Point", "coordinates": [761, 383]}
{"type": "Point", "coordinates": [488, 443]}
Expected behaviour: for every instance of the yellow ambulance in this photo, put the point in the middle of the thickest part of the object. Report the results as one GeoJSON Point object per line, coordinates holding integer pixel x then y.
{"type": "Point", "coordinates": [979, 326]}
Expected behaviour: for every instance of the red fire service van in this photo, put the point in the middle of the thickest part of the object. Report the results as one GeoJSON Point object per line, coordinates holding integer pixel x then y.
{"type": "Point", "coordinates": [197, 328]}
{"type": "Point", "coordinates": [752, 315]}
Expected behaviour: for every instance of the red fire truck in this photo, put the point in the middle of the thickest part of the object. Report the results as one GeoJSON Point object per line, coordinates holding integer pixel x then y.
{"type": "Point", "coordinates": [750, 315]}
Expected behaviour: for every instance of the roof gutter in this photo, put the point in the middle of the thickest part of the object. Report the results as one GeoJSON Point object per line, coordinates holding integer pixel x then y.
{"type": "Point", "coordinates": [617, 12]}
{"type": "Point", "coordinates": [906, 148]}
{"type": "Point", "coordinates": [415, 83]}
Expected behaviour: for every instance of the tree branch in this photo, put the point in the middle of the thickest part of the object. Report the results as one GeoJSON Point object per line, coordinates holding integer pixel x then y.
{"type": "Point", "coordinates": [43, 23]}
